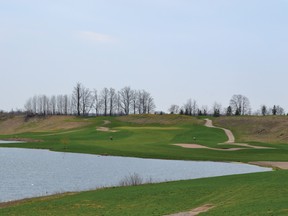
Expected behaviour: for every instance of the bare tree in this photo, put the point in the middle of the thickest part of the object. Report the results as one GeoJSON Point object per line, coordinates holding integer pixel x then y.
{"type": "Point", "coordinates": [118, 104]}
{"type": "Point", "coordinates": [82, 100]}
{"type": "Point", "coordinates": [112, 99]}
{"type": "Point", "coordinates": [174, 109]}
{"type": "Point", "coordinates": [59, 104]}
{"type": "Point", "coordinates": [46, 105]}
{"type": "Point", "coordinates": [105, 100]}
{"type": "Point", "coordinates": [41, 104]}
{"type": "Point", "coordinates": [194, 107]}
{"type": "Point", "coordinates": [53, 104]}
{"type": "Point", "coordinates": [280, 110]}
{"type": "Point", "coordinates": [28, 106]}
{"type": "Point", "coordinates": [150, 104]}
{"type": "Point", "coordinates": [188, 107]}
{"type": "Point", "coordinates": [65, 104]}
{"type": "Point", "coordinates": [86, 101]}
{"type": "Point", "coordinates": [34, 104]}
{"type": "Point", "coordinates": [77, 96]}
{"type": "Point", "coordinates": [277, 110]}
{"type": "Point", "coordinates": [217, 109]}
{"type": "Point", "coordinates": [240, 104]}
{"type": "Point", "coordinates": [135, 99]}
{"type": "Point", "coordinates": [70, 109]}
{"type": "Point", "coordinates": [96, 102]}
{"type": "Point", "coordinates": [139, 102]}
{"type": "Point", "coordinates": [145, 101]}
{"type": "Point", "coordinates": [205, 110]}
{"type": "Point", "coordinates": [126, 95]}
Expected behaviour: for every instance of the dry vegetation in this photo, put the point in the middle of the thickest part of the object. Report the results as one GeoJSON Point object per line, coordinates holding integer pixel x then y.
{"type": "Point", "coordinates": [19, 124]}
{"type": "Point", "coordinates": [269, 129]}
{"type": "Point", "coordinates": [159, 119]}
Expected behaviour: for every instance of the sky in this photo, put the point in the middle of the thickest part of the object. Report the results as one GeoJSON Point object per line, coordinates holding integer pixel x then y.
{"type": "Point", "coordinates": [205, 50]}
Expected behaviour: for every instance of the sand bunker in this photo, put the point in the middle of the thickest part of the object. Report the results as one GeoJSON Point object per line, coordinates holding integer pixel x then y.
{"type": "Point", "coordinates": [246, 145]}
{"type": "Point", "coordinates": [105, 129]}
{"type": "Point", "coordinates": [273, 164]}
{"type": "Point", "coordinates": [196, 146]}
{"type": "Point", "coordinates": [195, 211]}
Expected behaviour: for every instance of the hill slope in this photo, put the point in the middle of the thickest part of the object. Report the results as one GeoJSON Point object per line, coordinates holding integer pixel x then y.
{"type": "Point", "coordinates": [267, 129]}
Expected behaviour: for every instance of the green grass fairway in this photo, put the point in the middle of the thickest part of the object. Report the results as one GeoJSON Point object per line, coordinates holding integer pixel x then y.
{"type": "Point", "coordinates": [250, 194]}
{"type": "Point", "coordinates": [140, 136]}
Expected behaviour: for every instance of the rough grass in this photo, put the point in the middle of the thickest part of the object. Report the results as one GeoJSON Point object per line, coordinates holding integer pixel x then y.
{"type": "Point", "coordinates": [266, 129]}
{"type": "Point", "coordinates": [19, 124]}
{"type": "Point", "coordinates": [160, 119]}
{"type": "Point", "coordinates": [250, 194]}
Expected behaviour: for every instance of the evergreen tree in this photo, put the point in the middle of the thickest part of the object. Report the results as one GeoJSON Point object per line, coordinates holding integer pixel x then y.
{"type": "Point", "coordinates": [229, 111]}
{"type": "Point", "coordinates": [274, 110]}
{"type": "Point", "coordinates": [216, 113]}
{"type": "Point", "coordinates": [237, 112]}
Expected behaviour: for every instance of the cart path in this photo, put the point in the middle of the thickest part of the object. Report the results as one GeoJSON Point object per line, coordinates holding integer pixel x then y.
{"type": "Point", "coordinates": [195, 211]}
{"type": "Point", "coordinates": [231, 138]}
{"type": "Point", "coordinates": [229, 134]}
{"type": "Point", "coordinates": [230, 141]}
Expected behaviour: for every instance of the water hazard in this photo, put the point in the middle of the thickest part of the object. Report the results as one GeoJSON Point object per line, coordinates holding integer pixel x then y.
{"type": "Point", "coordinates": [29, 173]}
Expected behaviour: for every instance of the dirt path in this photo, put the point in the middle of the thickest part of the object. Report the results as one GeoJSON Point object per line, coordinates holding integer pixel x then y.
{"type": "Point", "coordinates": [231, 138]}
{"type": "Point", "coordinates": [195, 211]}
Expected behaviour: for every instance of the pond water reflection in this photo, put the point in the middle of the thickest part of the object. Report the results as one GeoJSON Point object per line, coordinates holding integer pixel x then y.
{"type": "Point", "coordinates": [29, 172]}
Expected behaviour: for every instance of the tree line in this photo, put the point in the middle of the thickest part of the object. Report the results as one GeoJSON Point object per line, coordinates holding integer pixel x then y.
{"type": "Point", "coordinates": [108, 101]}
{"type": "Point", "coordinates": [238, 105]}
{"type": "Point", "coordinates": [84, 101]}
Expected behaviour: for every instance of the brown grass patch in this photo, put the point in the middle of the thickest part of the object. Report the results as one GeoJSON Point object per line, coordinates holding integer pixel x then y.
{"type": "Point", "coordinates": [18, 124]}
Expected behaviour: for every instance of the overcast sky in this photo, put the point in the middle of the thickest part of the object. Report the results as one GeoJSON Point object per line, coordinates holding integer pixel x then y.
{"type": "Point", "coordinates": [206, 50]}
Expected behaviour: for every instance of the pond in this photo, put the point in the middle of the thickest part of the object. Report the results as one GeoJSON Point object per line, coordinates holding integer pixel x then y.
{"type": "Point", "coordinates": [29, 173]}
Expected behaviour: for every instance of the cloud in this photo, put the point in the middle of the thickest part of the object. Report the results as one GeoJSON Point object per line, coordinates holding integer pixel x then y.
{"type": "Point", "coordinates": [96, 37]}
